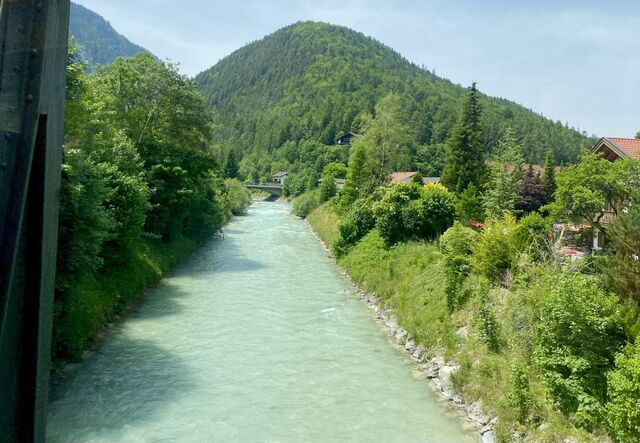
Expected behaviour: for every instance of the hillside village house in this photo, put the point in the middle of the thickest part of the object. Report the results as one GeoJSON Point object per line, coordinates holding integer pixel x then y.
{"type": "Point", "coordinates": [346, 138]}
{"type": "Point", "coordinates": [612, 149]}
{"type": "Point", "coordinates": [279, 177]}
{"type": "Point", "coordinates": [407, 177]}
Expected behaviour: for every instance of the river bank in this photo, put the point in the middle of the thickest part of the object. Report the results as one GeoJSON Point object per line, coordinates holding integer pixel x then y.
{"type": "Point", "coordinates": [405, 286]}
{"type": "Point", "coordinates": [431, 362]}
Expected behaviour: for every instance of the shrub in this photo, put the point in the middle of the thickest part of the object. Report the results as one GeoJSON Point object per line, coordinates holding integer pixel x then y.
{"type": "Point", "coordinates": [238, 196]}
{"type": "Point", "coordinates": [493, 253]}
{"type": "Point", "coordinates": [489, 327]}
{"type": "Point", "coordinates": [328, 188]}
{"type": "Point", "coordinates": [407, 210]}
{"type": "Point", "coordinates": [530, 234]}
{"type": "Point", "coordinates": [469, 206]}
{"type": "Point", "coordinates": [576, 341]}
{"type": "Point", "coordinates": [305, 203]}
{"type": "Point", "coordinates": [458, 240]}
{"type": "Point", "coordinates": [356, 224]}
{"type": "Point", "coordinates": [390, 212]}
{"type": "Point", "coordinates": [436, 211]}
{"type": "Point", "coordinates": [623, 409]}
{"type": "Point", "coordinates": [520, 396]}
{"type": "Point", "coordinates": [456, 245]}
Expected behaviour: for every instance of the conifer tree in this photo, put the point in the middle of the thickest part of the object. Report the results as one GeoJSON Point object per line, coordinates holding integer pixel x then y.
{"type": "Point", "coordinates": [638, 134]}
{"type": "Point", "coordinates": [505, 176]}
{"type": "Point", "coordinates": [357, 175]}
{"type": "Point", "coordinates": [231, 165]}
{"type": "Point", "coordinates": [464, 160]}
{"type": "Point", "coordinates": [549, 177]}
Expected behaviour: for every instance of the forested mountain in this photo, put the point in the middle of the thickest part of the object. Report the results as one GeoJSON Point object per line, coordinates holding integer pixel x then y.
{"type": "Point", "coordinates": [279, 100]}
{"type": "Point", "coordinates": [101, 44]}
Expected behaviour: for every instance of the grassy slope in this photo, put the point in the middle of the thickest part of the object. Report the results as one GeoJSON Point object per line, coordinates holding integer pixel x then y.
{"type": "Point", "coordinates": [409, 278]}
{"type": "Point", "coordinates": [96, 301]}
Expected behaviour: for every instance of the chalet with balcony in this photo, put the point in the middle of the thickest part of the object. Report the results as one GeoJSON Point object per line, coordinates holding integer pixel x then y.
{"type": "Point", "coordinates": [613, 149]}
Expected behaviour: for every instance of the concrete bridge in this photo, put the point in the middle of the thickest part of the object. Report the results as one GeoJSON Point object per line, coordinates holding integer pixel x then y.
{"type": "Point", "coordinates": [275, 189]}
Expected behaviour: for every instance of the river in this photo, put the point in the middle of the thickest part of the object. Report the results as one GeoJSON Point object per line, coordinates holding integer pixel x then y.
{"type": "Point", "coordinates": [256, 338]}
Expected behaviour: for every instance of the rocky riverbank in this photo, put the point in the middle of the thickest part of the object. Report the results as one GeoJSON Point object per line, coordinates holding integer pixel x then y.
{"type": "Point", "coordinates": [430, 362]}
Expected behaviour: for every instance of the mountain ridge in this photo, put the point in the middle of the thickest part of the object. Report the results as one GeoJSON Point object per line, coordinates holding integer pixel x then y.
{"type": "Point", "coordinates": [310, 80]}
{"type": "Point", "coordinates": [101, 43]}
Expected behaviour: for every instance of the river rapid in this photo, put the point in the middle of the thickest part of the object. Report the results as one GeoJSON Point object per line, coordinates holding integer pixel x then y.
{"type": "Point", "coordinates": [256, 338]}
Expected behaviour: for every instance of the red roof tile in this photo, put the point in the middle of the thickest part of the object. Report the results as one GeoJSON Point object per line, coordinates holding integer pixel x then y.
{"type": "Point", "coordinates": [630, 146]}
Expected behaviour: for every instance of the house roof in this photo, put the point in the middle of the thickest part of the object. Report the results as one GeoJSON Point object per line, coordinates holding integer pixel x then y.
{"type": "Point", "coordinates": [281, 174]}
{"type": "Point", "coordinates": [401, 176]}
{"type": "Point", "coordinates": [622, 147]}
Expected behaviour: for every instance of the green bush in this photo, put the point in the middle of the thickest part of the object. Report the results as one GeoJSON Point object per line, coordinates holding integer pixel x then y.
{"type": "Point", "coordinates": [356, 224]}
{"type": "Point", "coordinates": [432, 214]}
{"type": "Point", "coordinates": [239, 197]}
{"type": "Point", "coordinates": [576, 341]}
{"type": "Point", "coordinates": [489, 327]}
{"type": "Point", "coordinates": [530, 234]}
{"type": "Point", "coordinates": [305, 203]}
{"type": "Point", "coordinates": [408, 210]}
{"type": "Point", "coordinates": [520, 396]}
{"type": "Point", "coordinates": [623, 408]}
{"type": "Point", "coordinates": [494, 252]}
{"type": "Point", "coordinates": [458, 240]}
{"type": "Point", "coordinates": [328, 188]}
{"type": "Point", "coordinates": [456, 245]}
{"type": "Point", "coordinates": [469, 206]}
{"type": "Point", "coordinates": [390, 212]}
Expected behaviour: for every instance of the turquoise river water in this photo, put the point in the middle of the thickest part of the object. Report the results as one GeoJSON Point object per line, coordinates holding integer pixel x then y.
{"type": "Point", "coordinates": [256, 338]}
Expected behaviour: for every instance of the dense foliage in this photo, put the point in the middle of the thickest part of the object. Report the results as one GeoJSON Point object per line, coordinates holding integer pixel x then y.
{"type": "Point", "coordinates": [312, 82]}
{"type": "Point", "coordinates": [101, 44]}
{"type": "Point", "coordinates": [140, 188]}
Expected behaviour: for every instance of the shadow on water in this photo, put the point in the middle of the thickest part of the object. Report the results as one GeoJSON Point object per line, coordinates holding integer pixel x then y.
{"type": "Point", "coordinates": [106, 392]}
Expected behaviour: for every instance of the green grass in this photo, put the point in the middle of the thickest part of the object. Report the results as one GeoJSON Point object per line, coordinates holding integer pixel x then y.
{"type": "Point", "coordinates": [90, 304]}
{"type": "Point", "coordinates": [324, 222]}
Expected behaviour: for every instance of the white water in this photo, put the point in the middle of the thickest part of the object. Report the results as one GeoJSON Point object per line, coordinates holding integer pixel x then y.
{"type": "Point", "coordinates": [256, 338]}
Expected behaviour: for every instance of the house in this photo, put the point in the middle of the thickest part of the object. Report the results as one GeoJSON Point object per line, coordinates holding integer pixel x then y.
{"type": "Point", "coordinates": [612, 149]}
{"type": "Point", "coordinates": [407, 177]}
{"type": "Point", "coordinates": [346, 139]}
{"type": "Point", "coordinates": [280, 177]}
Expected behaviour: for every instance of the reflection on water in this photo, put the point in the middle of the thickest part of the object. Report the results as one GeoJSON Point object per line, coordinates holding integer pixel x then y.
{"type": "Point", "coordinates": [257, 338]}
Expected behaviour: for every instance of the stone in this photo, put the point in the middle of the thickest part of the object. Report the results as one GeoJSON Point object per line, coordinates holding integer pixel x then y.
{"type": "Point", "coordinates": [401, 334]}
{"type": "Point", "coordinates": [475, 414]}
{"type": "Point", "coordinates": [446, 384]}
{"type": "Point", "coordinates": [488, 437]}
{"type": "Point", "coordinates": [418, 354]}
{"type": "Point", "coordinates": [410, 345]}
{"type": "Point", "coordinates": [392, 322]}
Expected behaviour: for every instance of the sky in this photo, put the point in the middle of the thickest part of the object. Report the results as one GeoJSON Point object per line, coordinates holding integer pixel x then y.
{"type": "Point", "coordinates": [573, 61]}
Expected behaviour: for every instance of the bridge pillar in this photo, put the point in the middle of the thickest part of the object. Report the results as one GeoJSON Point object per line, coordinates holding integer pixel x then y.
{"type": "Point", "coordinates": [33, 56]}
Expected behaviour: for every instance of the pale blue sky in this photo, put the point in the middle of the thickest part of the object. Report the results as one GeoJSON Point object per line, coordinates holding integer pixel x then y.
{"type": "Point", "coordinates": [573, 61]}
